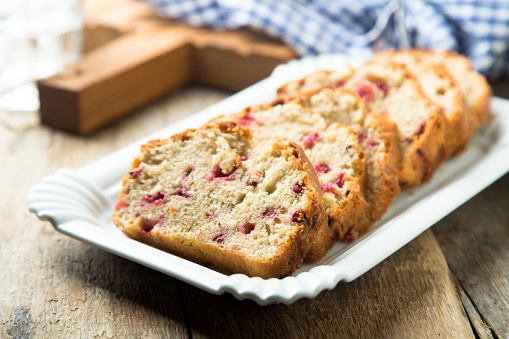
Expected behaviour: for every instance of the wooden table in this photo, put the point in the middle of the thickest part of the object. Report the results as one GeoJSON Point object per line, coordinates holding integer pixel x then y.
{"type": "Point", "coordinates": [452, 281]}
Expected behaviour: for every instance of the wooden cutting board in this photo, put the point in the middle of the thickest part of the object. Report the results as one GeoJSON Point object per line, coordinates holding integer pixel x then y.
{"type": "Point", "coordinates": [132, 58]}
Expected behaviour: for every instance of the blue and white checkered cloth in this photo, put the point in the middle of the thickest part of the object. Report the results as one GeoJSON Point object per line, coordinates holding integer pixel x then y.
{"type": "Point", "coordinates": [478, 29]}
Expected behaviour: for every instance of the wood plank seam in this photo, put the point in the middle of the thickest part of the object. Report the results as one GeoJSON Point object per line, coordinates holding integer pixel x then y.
{"type": "Point", "coordinates": [184, 308]}
{"type": "Point", "coordinates": [488, 331]}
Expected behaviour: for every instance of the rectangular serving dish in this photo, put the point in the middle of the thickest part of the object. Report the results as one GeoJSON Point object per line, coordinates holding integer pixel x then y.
{"type": "Point", "coordinates": [79, 203]}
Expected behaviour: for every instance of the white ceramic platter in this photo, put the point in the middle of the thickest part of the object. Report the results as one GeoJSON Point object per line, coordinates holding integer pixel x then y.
{"type": "Point", "coordinates": [79, 203]}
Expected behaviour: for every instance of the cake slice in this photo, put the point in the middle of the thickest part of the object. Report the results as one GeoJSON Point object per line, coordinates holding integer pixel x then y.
{"type": "Point", "coordinates": [377, 136]}
{"type": "Point", "coordinates": [442, 89]}
{"type": "Point", "coordinates": [213, 196]}
{"type": "Point", "coordinates": [333, 150]}
{"type": "Point", "coordinates": [392, 90]}
{"type": "Point", "coordinates": [475, 89]}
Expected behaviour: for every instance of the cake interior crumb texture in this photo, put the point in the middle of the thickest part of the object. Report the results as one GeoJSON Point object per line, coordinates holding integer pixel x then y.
{"type": "Point", "coordinates": [212, 196]}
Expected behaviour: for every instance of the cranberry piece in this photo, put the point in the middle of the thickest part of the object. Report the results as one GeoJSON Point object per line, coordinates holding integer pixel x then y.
{"type": "Point", "coordinates": [269, 212]}
{"type": "Point", "coordinates": [248, 119]}
{"type": "Point", "coordinates": [219, 237]}
{"type": "Point", "coordinates": [247, 227]}
{"type": "Point", "coordinates": [155, 198]}
{"type": "Point", "coordinates": [382, 85]}
{"type": "Point", "coordinates": [211, 215]}
{"type": "Point", "coordinates": [372, 143]}
{"type": "Point", "coordinates": [328, 188]}
{"type": "Point", "coordinates": [421, 128]}
{"type": "Point", "coordinates": [217, 173]}
{"type": "Point", "coordinates": [322, 168]}
{"type": "Point", "coordinates": [298, 188]}
{"type": "Point", "coordinates": [243, 158]}
{"type": "Point", "coordinates": [339, 83]}
{"type": "Point", "coordinates": [309, 140]}
{"type": "Point", "coordinates": [121, 204]}
{"type": "Point", "coordinates": [361, 135]}
{"type": "Point", "coordinates": [134, 173]}
{"type": "Point", "coordinates": [341, 180]}
{"type": "Point", "coordinates": [255, 178]}
{"type": "Point", "coordinates": [296, 217]}
{"type": "Point", "coordinates": [182, 191]}
{"type": "Point", "coordinates": [365, 91]}
{"type": "Point", "coordinates": [408, 139]}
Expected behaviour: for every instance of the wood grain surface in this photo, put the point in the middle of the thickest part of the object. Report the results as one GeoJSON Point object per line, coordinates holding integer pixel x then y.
{"type": "Point", "coordinates": [450, 282]}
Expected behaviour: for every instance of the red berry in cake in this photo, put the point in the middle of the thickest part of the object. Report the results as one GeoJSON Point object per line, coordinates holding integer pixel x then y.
{"type": "Point", "coordinates": [255, 178]}
{"type": "Point", "coordinates": [269, 212]}
{"type": "Point", "coordinates": [296, 217]}
{"type": "Point", "coordinates": [341, 180]}
{"type": "Point", "coordinates": [247, 227]}
{"type": "Point", "coordinates": [248, 119]}
{"type": "Point", "coordinates": [211, 214]}
{"type": "Point", "coordinates": [365, 91]}
{"type": "Point", "coordinates": [182, 191]}
{"type": "Point", "coordinates": [298, 188]}
{"type": "Point", "coordinates": [219, 237]}
{"type": "Point", "coordinates": [156, 198]}
{"type": "Point", "coordinates": [121, 204]}
{"type": "Point", "coordinates": [217, 173]}
{"type": "Point", "coordinates": [328, 188]}
{"type": "Point", "coordinates": [309, 140]}
{"type": "Point", "coordinates": [135, 172]}
{"type": "Point", "coordinates": [243, 158]}
{"type": "Point", "coordinates": [339, 83]}
{"type": "Point", "coordinates": [372, 143]}
{"type": "Point", "coordinates": [361, 135]}
{"type": "Point", "coordinates": [322, 168]}
{"type": "Point", "coordinates": [382, 85]}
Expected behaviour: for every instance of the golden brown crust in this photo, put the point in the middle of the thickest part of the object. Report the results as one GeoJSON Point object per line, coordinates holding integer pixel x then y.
{"type": "Point", "coordinates": [457, 120]}
{"type": "Point", "coordinates": [389, 166]}
{"type": "Point", "coordinates": [324, 239]}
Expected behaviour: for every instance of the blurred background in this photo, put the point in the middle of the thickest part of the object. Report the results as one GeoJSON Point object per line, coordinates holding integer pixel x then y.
{"type": "Point", "coordinates": [58, 57]}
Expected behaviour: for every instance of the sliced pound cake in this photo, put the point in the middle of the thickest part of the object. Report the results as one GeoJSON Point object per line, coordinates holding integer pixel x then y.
{"type": "Point", "coordinates": [392, 90]}
{"type": "Point", "coordinates": [378, 137]}
{"type": "Point", "coordinates": [474, 87]}
{"type": "Point", "coordinates": [333, 150]}
{"type": "Point", "coordinates": [442, 89]}
{"type": "Point", "coordinates": [213, 196]}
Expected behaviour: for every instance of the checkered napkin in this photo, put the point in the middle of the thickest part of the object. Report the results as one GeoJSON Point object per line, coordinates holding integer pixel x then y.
{"type": "Point", "coordinates": [478, 29]}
